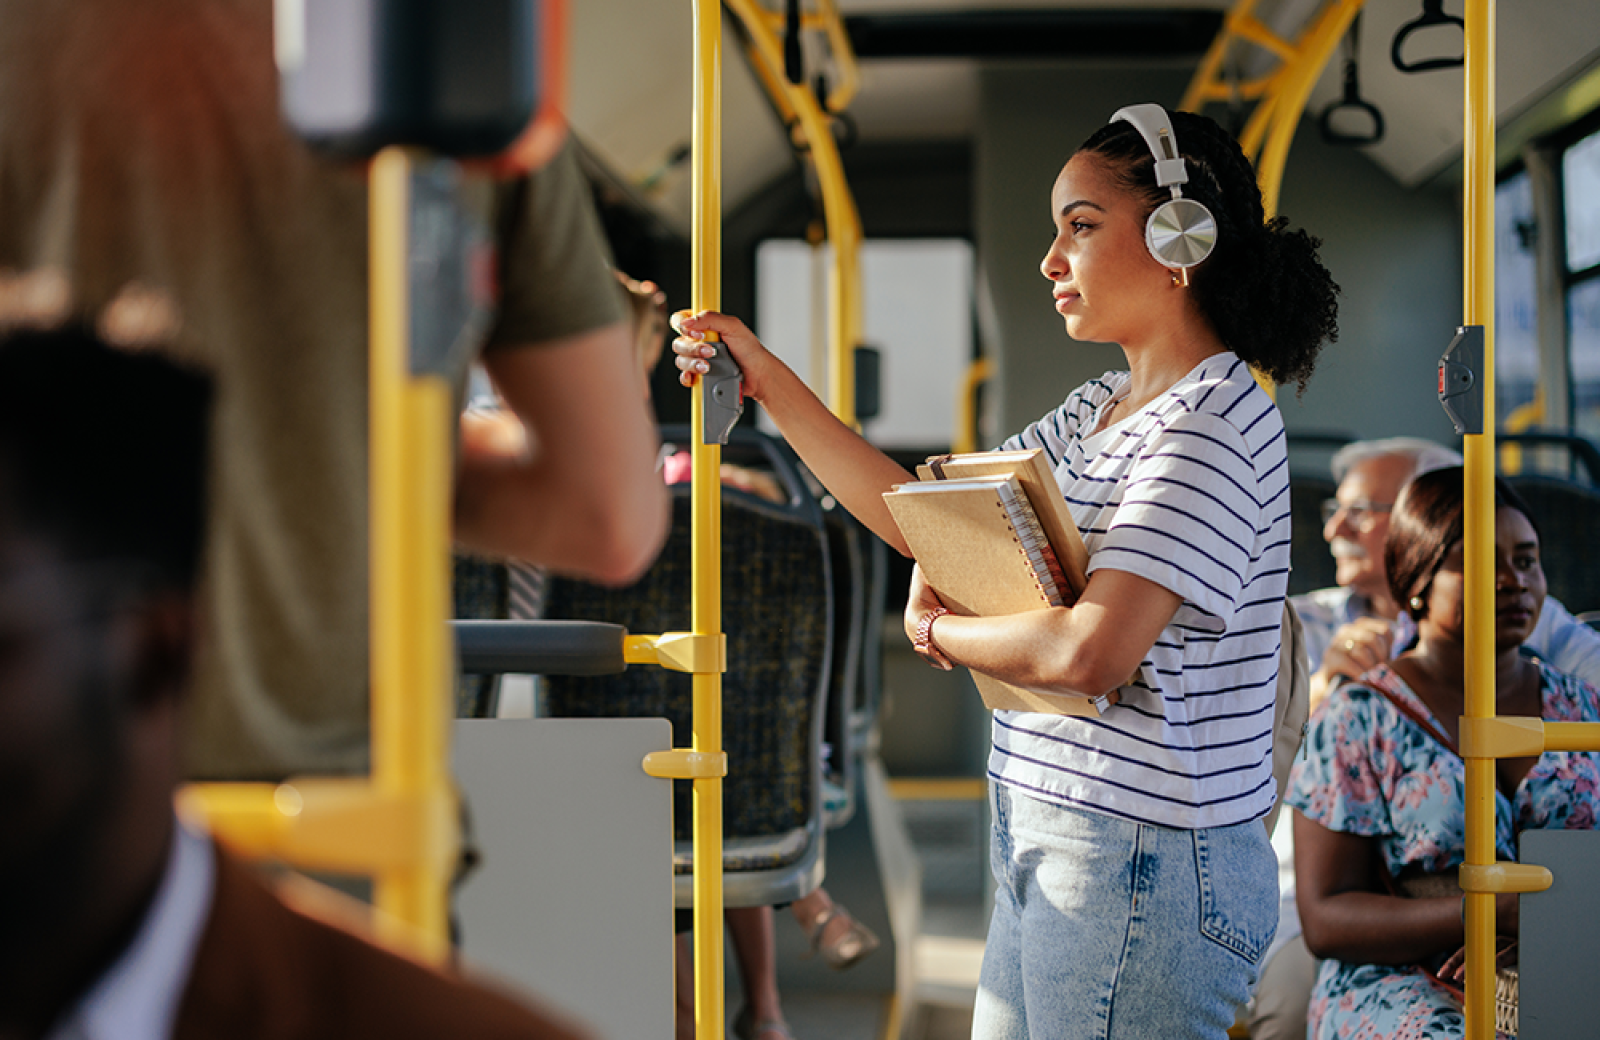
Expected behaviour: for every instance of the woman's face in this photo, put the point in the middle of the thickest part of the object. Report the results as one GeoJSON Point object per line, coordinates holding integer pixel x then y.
{"type": "Point", "coordinates": [1107, 286]}
{"type": "Point", "coordinates": [1519, 586]}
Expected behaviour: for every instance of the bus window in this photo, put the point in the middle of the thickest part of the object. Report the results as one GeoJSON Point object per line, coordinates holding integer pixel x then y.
{"type": "Point", "coordinates": [1580, 177]}
{"type": "Point", "coordinates": [1516, 333]}
{"type": "Point", "coordinates": [917, 309]}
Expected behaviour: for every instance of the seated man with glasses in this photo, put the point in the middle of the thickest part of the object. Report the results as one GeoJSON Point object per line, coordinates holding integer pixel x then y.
{"type": "Point", "coordinates": [1356, 625]}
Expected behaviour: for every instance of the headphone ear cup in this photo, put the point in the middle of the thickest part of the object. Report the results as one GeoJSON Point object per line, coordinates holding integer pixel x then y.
{"type": "Point", "coordinates": [1181, 233]}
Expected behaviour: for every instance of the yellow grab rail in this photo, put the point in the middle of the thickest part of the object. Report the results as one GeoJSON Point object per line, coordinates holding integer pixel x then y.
{"type": "Point", "coordinates": [400, 824]}
{"type": "Point", "coordinates": [1281, 96]}
{"type": "Point", "coordinates": [966, 431]}
{"type": "Point", "coordinates": [797, 103]}
{"type": "Point", "coordinates": [705, 549]}
{"type": "Point", "coordinates": [1478, 449]}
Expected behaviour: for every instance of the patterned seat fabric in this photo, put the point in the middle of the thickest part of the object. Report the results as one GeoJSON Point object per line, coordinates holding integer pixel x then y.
{"type": "Point", "coordinates": [776, 614]}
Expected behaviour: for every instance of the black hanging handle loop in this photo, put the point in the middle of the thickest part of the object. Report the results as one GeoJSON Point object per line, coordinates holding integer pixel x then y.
{"type": "Point", "coordinates": [1352, 100]}
{"type": "Point", "coordinates": [793, 61]}
{"type": "Point", "coordinates": [1432, 15]}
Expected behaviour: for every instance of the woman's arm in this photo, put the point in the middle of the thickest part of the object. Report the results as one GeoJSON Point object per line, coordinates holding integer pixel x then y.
{"type": "Point", "coordinates": [855, 472]}
{"type": "Point", "coordinates": [1089, 648]}
{"type": "Point", "coordinates": [1344, 913]}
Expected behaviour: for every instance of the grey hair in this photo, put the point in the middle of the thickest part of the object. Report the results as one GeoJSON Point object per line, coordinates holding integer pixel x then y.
{"type": "Point", "coordinates": [1425, 455]}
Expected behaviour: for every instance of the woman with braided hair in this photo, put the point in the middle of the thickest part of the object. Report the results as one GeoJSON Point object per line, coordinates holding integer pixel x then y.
{"type": "Point", "coordinates": [1136, 887]}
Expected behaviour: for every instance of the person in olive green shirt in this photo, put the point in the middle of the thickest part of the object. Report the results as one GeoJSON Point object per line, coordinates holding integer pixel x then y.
{"type": "Point", "coordinates": [142, 143]}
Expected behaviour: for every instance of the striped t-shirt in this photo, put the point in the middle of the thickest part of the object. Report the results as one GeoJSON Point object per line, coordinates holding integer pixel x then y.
{"type": "Point", "coordinates": [1191, 493]}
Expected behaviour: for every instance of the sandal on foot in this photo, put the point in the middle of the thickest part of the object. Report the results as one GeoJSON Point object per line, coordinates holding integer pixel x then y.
{"type": "Point", "coordinates": [854, 943]}
{"type": "Point", "coordinates": [745, 1027]}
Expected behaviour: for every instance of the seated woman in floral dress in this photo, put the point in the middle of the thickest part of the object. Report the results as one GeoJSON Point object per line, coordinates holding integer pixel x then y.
{"type": "Point", "coordinates": [1379, 785]}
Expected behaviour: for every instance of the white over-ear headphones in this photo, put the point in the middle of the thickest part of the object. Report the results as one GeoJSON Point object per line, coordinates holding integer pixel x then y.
{"type": "Point", "coordinates": [1181, 232]}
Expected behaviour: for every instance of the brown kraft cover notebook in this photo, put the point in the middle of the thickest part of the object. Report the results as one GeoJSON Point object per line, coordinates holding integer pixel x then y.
{"type": "Point", "coordinates": [973, 537]}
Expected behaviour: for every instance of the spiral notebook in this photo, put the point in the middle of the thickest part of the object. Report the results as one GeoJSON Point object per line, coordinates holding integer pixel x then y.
{"type": "Point", "coordinates": [981, 542]}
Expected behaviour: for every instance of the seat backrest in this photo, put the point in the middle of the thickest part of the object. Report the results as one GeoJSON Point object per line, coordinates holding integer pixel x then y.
{"type": "Point", "coordinates": [1555, 453]}
{"type": "Point", "coordinates": [849, 638]}
{"type": "Point", "coordinates": [1565, 512]}
{"type": "Point", "coordinates": [869, 690]}
{"type": "Point", "coordinates": [1311, 564]}
{"type": "Point", "coordinates": [778, 618]}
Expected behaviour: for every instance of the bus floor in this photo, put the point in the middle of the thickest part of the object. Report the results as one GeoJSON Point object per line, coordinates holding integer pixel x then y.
{"type": "Point", "coordinates": [947, 836]}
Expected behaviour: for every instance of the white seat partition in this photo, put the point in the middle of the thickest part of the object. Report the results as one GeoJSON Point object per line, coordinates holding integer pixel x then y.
{"type": "Point", "coordinates": [572, 898]}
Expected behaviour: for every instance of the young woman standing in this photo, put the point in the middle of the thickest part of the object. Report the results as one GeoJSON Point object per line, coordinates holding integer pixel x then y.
{"type": "Point", "coordinates": [1137, 889]}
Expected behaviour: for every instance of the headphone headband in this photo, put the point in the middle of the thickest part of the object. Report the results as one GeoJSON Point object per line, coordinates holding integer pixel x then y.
{"type": "Point", "coordinates": [1155, 126]}
{"type": "Point", "coordinates": [1180, 232]}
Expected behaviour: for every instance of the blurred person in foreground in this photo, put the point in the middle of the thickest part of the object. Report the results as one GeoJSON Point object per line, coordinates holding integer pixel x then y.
{"type": "Point", "coordinates": [143, 142]}
{"type": "Point", "coordinates": [116, 919]}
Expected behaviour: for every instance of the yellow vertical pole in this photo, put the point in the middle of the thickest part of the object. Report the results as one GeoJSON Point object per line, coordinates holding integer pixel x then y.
{"type": "Point", "coordinates": [409, 502]}
{"type": "Point", "coordinates": [706, 531]}
{"type": "Point", "coordinates": [1478, 293]}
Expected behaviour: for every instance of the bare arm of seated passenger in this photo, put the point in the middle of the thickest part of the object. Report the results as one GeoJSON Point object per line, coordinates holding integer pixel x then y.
{"type": "Point", "coordinates": [1089, 648]}
{"type": "Point", "coordinates": [1345, 912]}
{"type": "Point", "coordinates": [583, 498]}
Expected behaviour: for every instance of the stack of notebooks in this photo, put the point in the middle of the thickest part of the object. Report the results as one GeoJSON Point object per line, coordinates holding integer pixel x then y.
{"type": "Point", "coordinates": [994, 536]}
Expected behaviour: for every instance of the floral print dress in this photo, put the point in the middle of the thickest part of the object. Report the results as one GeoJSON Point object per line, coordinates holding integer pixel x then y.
{"type": "Point", "coordinates": [1367, 769]}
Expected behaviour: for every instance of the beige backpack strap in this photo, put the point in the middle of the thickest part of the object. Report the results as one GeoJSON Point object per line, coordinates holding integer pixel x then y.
{"type": "Point", "coordinates": [1292, 706]}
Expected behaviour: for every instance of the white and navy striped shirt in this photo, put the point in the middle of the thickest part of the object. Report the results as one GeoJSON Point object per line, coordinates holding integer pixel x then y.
{"type": "Point", "coordinates": [1191, 493]}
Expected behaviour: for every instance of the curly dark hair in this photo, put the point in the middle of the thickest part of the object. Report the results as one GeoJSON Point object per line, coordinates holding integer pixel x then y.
{"type": "Point", "coordinates": [1263, 288]}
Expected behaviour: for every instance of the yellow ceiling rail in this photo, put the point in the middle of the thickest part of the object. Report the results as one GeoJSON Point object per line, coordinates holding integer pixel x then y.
{"type": "Point", "coordinates": [1281, 96]}
{"type": "Point", "coordinates": [400, 824]}
{"type": "Point", "coordinates": [798, 106]}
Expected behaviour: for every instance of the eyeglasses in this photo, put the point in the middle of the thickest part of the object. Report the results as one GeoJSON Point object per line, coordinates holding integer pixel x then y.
{"type": "Point", "coordinates": [1358, 512]}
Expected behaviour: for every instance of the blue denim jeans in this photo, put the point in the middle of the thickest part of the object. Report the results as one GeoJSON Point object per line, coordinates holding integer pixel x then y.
{"type": "Point", "coordinates": [1108, 929]}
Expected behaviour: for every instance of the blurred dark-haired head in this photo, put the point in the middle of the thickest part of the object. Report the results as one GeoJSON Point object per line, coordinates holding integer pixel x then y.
{"type": "Point", "coordinates": [1426, 523]}
{"type": "Point", "coordinates": [103, 451]}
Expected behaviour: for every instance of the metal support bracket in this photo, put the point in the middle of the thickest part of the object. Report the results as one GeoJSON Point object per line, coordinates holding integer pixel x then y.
{"type": "Point", "coordinates": [682, 764]}
{"type": "Point", "coordinates": [679, 651]}
{"type": "Point", "coordinates": [1504, 736]}
{"type": "Point", "coordinates": [1460, 386]}
{"type": "Point", "coordinates": [338, 824]}
{"type": "Point", "coordinates": [1505, 877]}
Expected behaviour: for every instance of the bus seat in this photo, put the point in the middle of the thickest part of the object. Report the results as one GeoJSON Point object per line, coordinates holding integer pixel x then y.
{"type": "Point", "coordinates": [849, 642]}
{"type": "Point", "coordinates": [777, 614]}
{"type": "Point", "coordinates": [1551, 452]}
{"type": "Point", "coordinates": [1311, 564]}
{"type": "Point", "coordinates": [869, 688]}
{"type": "Point", "coordinates": [1565, 511]}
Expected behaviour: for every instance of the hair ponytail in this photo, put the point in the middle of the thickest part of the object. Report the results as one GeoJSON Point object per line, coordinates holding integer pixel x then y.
{"type": "Point", "coordinates": [1263, 289]}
